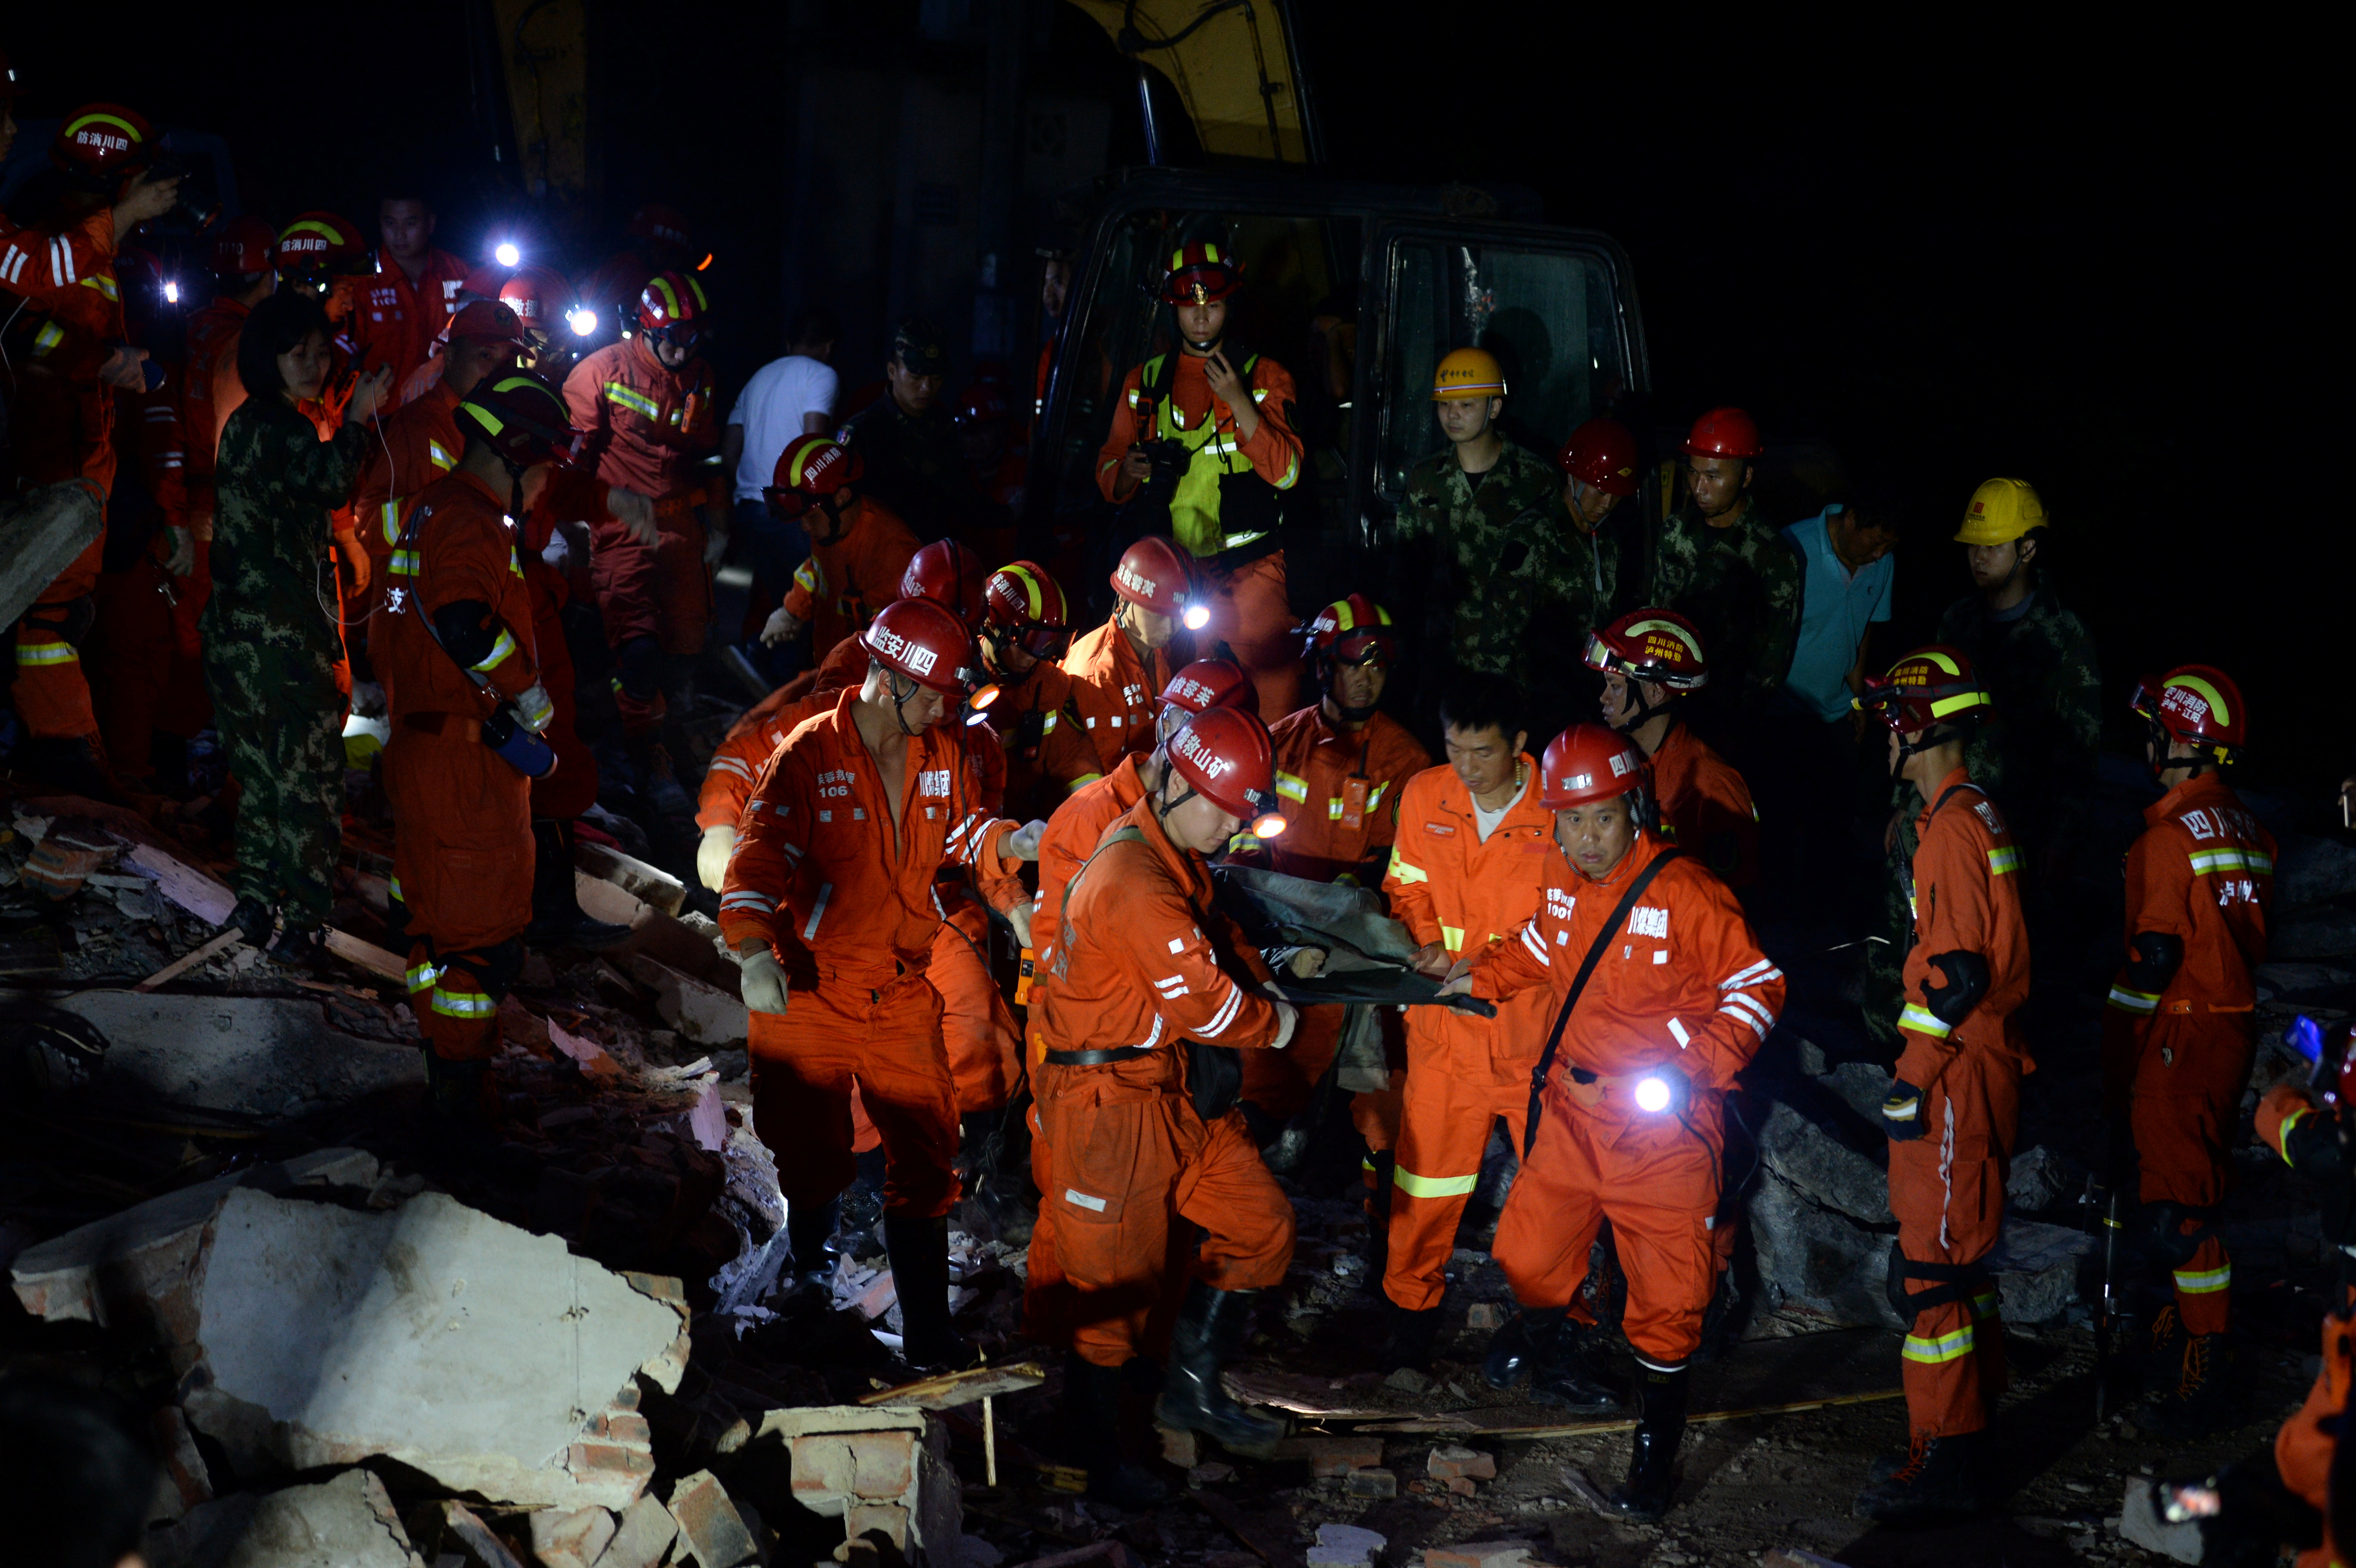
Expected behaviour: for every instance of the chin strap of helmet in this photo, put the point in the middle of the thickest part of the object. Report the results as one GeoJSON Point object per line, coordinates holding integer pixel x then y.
{"type": "Point", "coordinates": [900, 699]}
{"type": "Point", "coordinates": [2156, 741]}
{"type": "Point", "coordinates": [1645, 712]}
{"type": "Point", "coordinates": [831, 505]}
{"type": "Point", "coordinates": [1328, 668]}
{"type": "Point", "coordinates": [1937, 735]}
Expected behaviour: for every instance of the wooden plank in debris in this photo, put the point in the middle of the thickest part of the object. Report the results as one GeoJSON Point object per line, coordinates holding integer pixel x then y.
{"type": "Point", "coordinates": [189, 960]}
{"type": "Point", "coordinates": [367, 956]}
{"type": "Point", "coordinates": [210, 900]}
{"type": "Point", "coordinates": [648, 884]}
{"type": "Point", "coordinates": [1452, 1425]}
{"type": "Point", "coordinates": [953, 1389]}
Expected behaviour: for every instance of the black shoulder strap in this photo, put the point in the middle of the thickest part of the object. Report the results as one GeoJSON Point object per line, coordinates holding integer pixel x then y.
{"type": "Point", "coordinates": [1064, 910]}
{"type": "Point", "coordinates": [1579, 983]}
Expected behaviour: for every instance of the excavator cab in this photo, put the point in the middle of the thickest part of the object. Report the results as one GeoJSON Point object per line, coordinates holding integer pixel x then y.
{"type": "Point", "coordinates": [1357, 291]}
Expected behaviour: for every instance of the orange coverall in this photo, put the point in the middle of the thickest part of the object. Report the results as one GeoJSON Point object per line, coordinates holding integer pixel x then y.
{"type": "Point", "coordinates": [2304, 1447]}
{"type": "Point", "coordinates": [1114, 693]}
{"type": "Point", "coordinates": [839, 589]}
{"type": "Point", "coordinates": [1706, 807]}
{"type": "Point", "coordinates": [1684, 988]}
{"type": "Point", "coordinates": [414, 445]}
{"type": "Point", "coordinates": [395, 322]}
{"type": "Point", "coordinates": [1947, 1187]}
{"type": "Point", "coordinates": [1339, 791]}
{"type": "Point", "coordinates": [1249, 608]}
{"type": "Point", "coordinates": [1047, 753]}
{"type": "Point", "coordinates": [2177, 1044]}
{"type": "Point", "coordinates": [144, 668]}
{"type": "Point", "coordinates": [852, 916]}
{"type": "Point", "coordinates": [1143, 963]}
{"type": "Point", "coordinates": [1462, 1073]}
{"type": "Point", "coordinates": [462, 817]}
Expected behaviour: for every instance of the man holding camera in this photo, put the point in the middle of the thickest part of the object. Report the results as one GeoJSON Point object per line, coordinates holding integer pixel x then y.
{"type": "Point", "coordinates": [1205, 437]}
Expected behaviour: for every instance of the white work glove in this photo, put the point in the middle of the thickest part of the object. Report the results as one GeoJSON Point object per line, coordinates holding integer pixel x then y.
{"type": "Point", "coordinates": [182, 557]}
{"type": "Point", "coordinates": [634, 512]}
{"type": "Point", "coordinates": [1288, 1019]}
{"type": "Point", "coordinates": [782, 626]}
{"type": "Point", "coordinates": [558, 553]}
{"type": "Point", "coordinates": [368, 699]}
{"type": "Point", "coordinates": [712, 855]}
{"type": "Point", "coordinates": [762, 981]}
{"type": "Point", "coordinates": [1019, 917]}
{"type": "Point", "coordinates": [535, 709]}
{"type": "Point", "coordinates": [1023, 842]}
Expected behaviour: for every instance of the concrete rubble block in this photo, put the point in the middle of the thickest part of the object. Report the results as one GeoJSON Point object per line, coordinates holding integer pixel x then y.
{"type": "Point", "coordinates": [1484, 1315]}
{"type": "Point", "coordinates": [709, 1528]}
{"type": "Point", "coordinates": [1331, 1457]}
{"type": "Point", "coordinates": [1451, 1459]}
{"type": "Point", "coordinates": [2142, 1522]}
{"type": "Point", "coordinates": [137, 1269]}
{"type": "Point", "coordinates": [1817, 1258]}
{"type": "Point", "coordinates": [648, 885]}
{"type": "Point", "coordinates": [846, 1458]}
{"type": "Point", "coordinates": [642, 1537]}
{"type": "Point", "coordinates": [1479, 1554]}
{"type": "Point", "coordinates": [571, 1538]}
{"type": "Point", "coordinates": [1370, 1483]}
{"type": "Point", "coordinates": [346, 1523]}
{"type": "Point", "coordinates": [1345, 1546]}
{"type": "Point", "coordinates": [889, 1518]}
{"type": "Point", "coordinates": [471, 1351]}
{"type": "Point", "coordinates": [701, 1012]}
{"type": "Point", "coordinates": [186, 1483]}
{"type": "Point", "coordinates": [457, 1536]}
{"type": "Point", "coordinates": [41, 532]}
{"type": "Point", "coordinates": [1820, 1136]}
{"type": "Point", "coordinates": [1182, 1449]}
{"type": "Point", "coordinates": [2037, 1267]}
{"type": "Point", "coordinates": [2040, 1179]}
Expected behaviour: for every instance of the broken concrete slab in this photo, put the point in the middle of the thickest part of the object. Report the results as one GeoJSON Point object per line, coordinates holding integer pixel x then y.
{"type": "Point", "coordinates": [346, 1523]}
{"type": "Point", "coordinates": [1453, 1459]}
{"type": "Point", "coordinates": [650, 885]}
{"type": "Point", "coordinates": [488, 1358]}
{"type": "Point", "coordinates": [2142, 1521]}
{"type": "Point", "coordinates": [1345, 1546]}
{"type": "Point", "coordinates": [702, 1013]}
{"type": "Point", "coordinates": [710, 1528]}
{"type": "Point", "coordinates": [873, 1468]}
{"type": "Point", "coordinates": [458, 1538]}
{"type": "Point", "coordinates": [185, 1484]}
{"type": "Point", "coordinates": [41, 532]}
{"type": "Point", "coordinates": [2036, 1268]}
{"type": "Point", "coordinates": [263, 1056]}
{"type": "Point", "coordinates": [642, 1537]}
{"type": "Point", "coordinates": [571, 1538]}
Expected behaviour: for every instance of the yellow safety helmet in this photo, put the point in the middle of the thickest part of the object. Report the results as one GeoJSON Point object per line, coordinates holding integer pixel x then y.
{"type": "Point", "coordinates": [1466, 374]}
{"type": "Point", "coordinates": [2001, 511]}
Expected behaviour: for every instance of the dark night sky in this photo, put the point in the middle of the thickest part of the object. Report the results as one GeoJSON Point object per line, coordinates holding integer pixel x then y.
{"type": "Point", "coordinates": [1957, 247]}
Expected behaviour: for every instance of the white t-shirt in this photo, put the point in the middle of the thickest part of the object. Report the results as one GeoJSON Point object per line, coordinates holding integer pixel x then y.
{"type": "Point", "coordinates": [770, 407]}
{"type": "Point", "coordinates": [1486, 821]}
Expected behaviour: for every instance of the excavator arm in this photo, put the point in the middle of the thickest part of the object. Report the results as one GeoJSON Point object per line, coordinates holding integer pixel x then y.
{"type": "Point", "coordinates": [1233, 65]}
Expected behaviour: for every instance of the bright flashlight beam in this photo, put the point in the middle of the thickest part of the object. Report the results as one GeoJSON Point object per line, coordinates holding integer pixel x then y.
{"type": "Point", "coordinates": [171, 291]}
{"type": "Point", "coordinates": [1198, 618]}
{"type": "Point", "coordinates": [581, 320]}
{"type": "Point", "coordinates": [506, 253]}
{"type": "Point", "coordinates": [1652, 1094]}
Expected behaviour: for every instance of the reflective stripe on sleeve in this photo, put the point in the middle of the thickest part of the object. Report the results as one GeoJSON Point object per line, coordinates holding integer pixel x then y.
{"type": "Point", "coordinates": [2204, 1281]}
{"type": "Point", "coordinates": [2132, 1001]}
{"type": "Point", "coordinates": [499, 650]}
{"type": "Point", "coordinates": [2003, 860]}
{"type": "Point", "coordinates": [1922, 1021]}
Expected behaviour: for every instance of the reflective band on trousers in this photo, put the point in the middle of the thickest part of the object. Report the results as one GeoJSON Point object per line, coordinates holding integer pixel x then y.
{"type": "Point", "coordinates": [1416, 1186]}
{"type": "Point", "coordinates": [2204, 1282]}
{"type": "Point", "coordinates": [47, 654]}
{"type": "Point", "coordinates": [1945, 1347]}
{"type": "Point", "coordinates": [463, 1004]}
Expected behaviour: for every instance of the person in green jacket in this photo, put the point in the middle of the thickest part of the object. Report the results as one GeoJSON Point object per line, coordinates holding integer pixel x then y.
{"type": "Point", "coordinates": [270, 631]}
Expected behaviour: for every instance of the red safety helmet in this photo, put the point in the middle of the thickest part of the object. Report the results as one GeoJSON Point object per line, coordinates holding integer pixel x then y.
{"type": "Point", "coordinates": [920, 640]}
{"type": "Point", "coordinates": [539, 295]}
{"type": "Point", "coordinates": [2197, 704]}
{"type": "Point", "coordinates": [1657, 646]}
{"type": "Point", "coordinates": [1200, 273]}
{"type": "Point", "coordinates": [658, 222]}
{"type": "Point", "coordinates": [1588, 763]}
{"type": "Point", "coordinates": [1211, 683]}
{"type": "Point", "coordinates": [952, 576]}
{"type": "Point", "coordinates": [104, 142]}
{"type": "Point", "coordinates": [522, 416]}
{"type": "Point", "coordinates": [320, 245]}
{"type": "Point", "coordinates": [245, 245]}
{"type": "Point", "coordinates": [1725, 432]}
{"type": "Point", "coordinates": [1352, 631]}
{"type": "Point", "coordinates": [1024, 602]}
{"type": "Point", "coordinates": [984, 402]}
{"type": "Point", "coordinates": [1154, 574]}
{"type": "Point", "coordinates": [811, 466]}
{"type": "Point", "coordinates": [485, 321]}
{"type": "Point", "coordinates": [1603, 454]}
{"type": "Point", "coordinates": [1925, 690]}
{"type": "Point", "coordinates": [673, 306]}
{"type": "Point", "coordinates": [1225, 756]}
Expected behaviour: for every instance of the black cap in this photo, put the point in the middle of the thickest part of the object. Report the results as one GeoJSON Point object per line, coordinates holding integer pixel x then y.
{"type": "Point", "coordinates": [916, 344]}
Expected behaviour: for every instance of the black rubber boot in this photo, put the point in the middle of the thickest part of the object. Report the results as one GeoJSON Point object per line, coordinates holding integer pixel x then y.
{"type": "Point", "coordinates": [557, 918]}
{"type": "Point", "coordinates": [919, 1250]}
{"type": "Point", "coordinates": [1565, 1376]}
{"type": "Point", "coordinates": [1210, 1331]}
{"type": "Point", "coordinates": [254, 921]}
{"type": "Point", "coordinates": [809, 1229]}
{"type": "Point", "coordinates": [1412, 1337]}
{"type": "Point", "coordinates": [302, 949]}
{"type": "Point", "coordinates": [2195, 1404]}
{"type": "Point", "coordinates": [1092, 1425]}
{"type": "Point", "coordinates": [1660, 1424]}
{"type": "Point", "coordinates": [1526, 1342]}
{"type": "Point", "coordinates": [1939, 1478]}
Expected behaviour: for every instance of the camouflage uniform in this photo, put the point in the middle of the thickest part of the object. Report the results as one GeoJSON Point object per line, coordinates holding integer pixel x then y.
{"type": "Point", "coordinates": [915, 465]}
{"type": "Point", "coordinates": [1501, 570]}
{"type": "Point", "coordinates": [271, 645]}
{"type": "Point", "coordinates": [2037, 761]}
{"type": "Point", "coordinates": [1741, 586]}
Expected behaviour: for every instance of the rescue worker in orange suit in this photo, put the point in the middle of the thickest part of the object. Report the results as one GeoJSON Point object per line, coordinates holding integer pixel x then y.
{"type": "Point", "coordinates": [2179, 1033]}
{"type": "Point", "coordinates": [1629, 1094]}
{"type": "Point", "coordinates": [1472, 860]}
{"type": "Point", "coordinates": [1224, 429]}
{"type": "Point", "coordinates": [859, 546]}
{"type": "Point", "coordinates": [1072, 832]}
{"type": "Point", "coordinates": [1147, 974]}
{"type": "Point", "coordinates": [818, 900]}
{"type": "Point", "coordinates": [453, 641]}
{"type": "Point", "coordinates": [1955, 1103]}
{"type": "Point", "coordinates": [1118, 668]}
{"type": "Point", "coordinates": [542, 299]}
{"type": "Point", "coordinates": [413, 292]}
{"type": "Point", "coordinates": [61, 416]}
{"type": "Point", "coordinates": [644, 407]}
{"type": "Point", "coordinates": [1339, 766]}
{"type": "Point", "coordinates": [1026, 628]}
{"type": "Point", "coordinates": [995, 464]}
{"type": "Point", "coordinates": [1649, 658]}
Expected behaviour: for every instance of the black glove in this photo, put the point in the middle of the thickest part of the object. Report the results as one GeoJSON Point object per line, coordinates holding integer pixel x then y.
{"type": "Point", "coordinates": [1902, 1112]}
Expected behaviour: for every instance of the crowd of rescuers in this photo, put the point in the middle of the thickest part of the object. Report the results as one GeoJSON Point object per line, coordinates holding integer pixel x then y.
{"type": "Point", "coordinates": [382, 484]}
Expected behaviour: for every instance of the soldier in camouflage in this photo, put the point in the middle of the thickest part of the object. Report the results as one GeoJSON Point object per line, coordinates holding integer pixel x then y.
{"type": "Point", "coordinates": [271, 639]}
{"type": "Point", "coordinates": [1486, 551]}
{"type": "Point", "coordinates": [2038, 760]}
{"type": "Point", "coordinates": [1727, 569]}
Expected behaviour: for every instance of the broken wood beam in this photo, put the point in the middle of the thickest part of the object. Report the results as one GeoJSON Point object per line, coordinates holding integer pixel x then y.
{"type": "Point", "coordinates": [953, 1389]}
{"type": "Point", "coordinates": [1458, 1426]}
{"type": "Point", "coordinates": [189, 960]}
